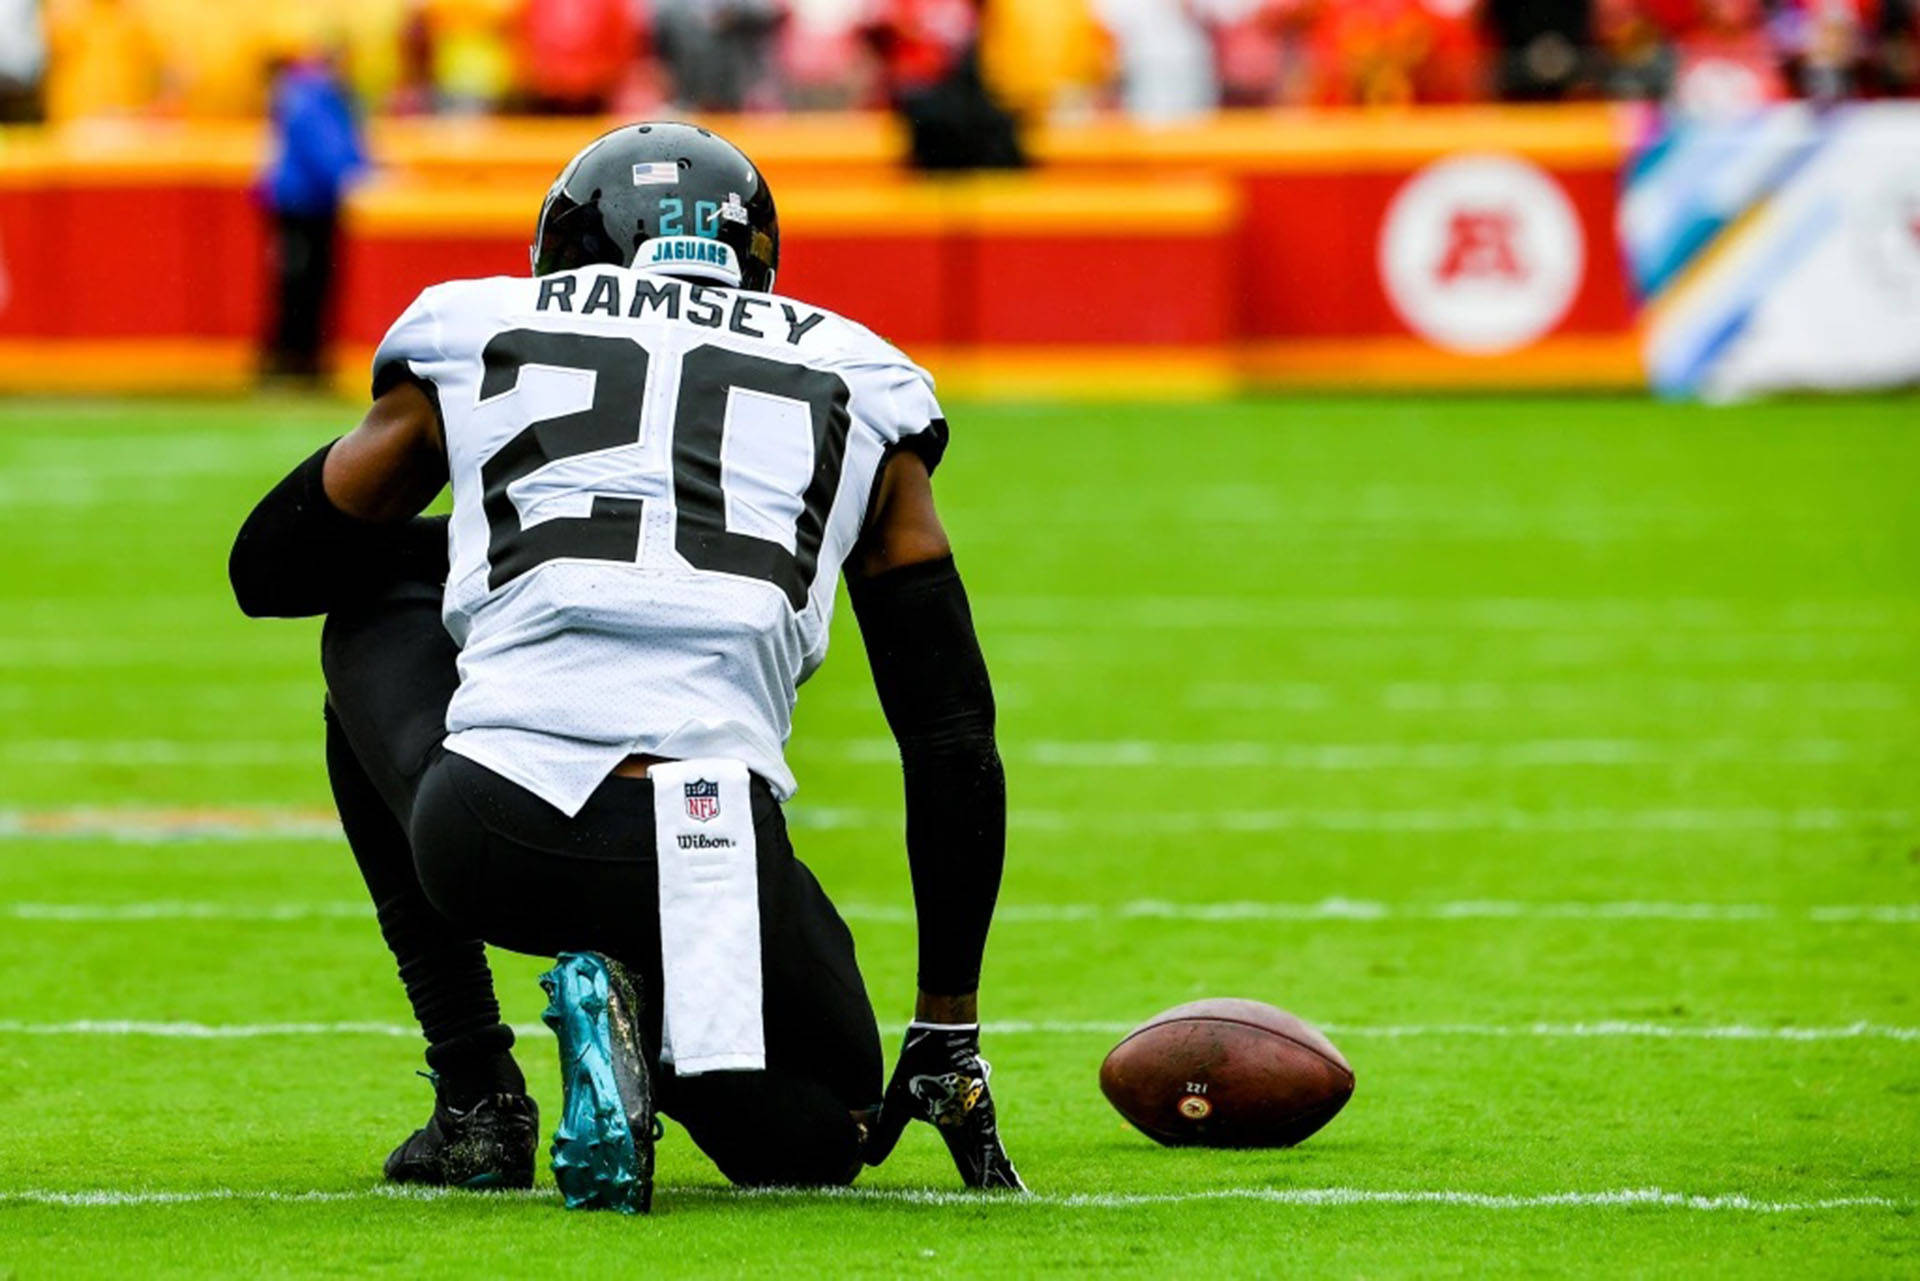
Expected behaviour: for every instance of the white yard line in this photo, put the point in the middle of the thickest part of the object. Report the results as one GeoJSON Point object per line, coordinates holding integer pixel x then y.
{"type": "Point", "coordinates": [179, 910]}
{"type": "Point", "coordinates": [1338, 1196]}
{"type": "Point", "coordinates": [1604, 1029]}
{"type": "Point", "coordinates": [1462, 819]}
{"type": "Point", "coordinates": [53, 623]}
{"type": "Point", "coordinates": [158, 751]}
{"type": "Point", "coordinates": [1455, 697]}
{"type": "Point", "coordinates": [1505, 613]}
{"type": "Point", "coordinates": [1126, 753]}
{"type": "Point", "coordinates": [139, 825]}
{"type": "Point", "coordinates": [1332, 909]}
{"type": "Point", "coordinates": [1303, 1198]}
{"type": "Point", "coordinates": [179, 1030]}
{"type": "Point", "coordinates": [104, 1197]}
{"type": "Point", "coordinates": [240, 823]}
{"type": "Point", "coordinates": [1558, 753]}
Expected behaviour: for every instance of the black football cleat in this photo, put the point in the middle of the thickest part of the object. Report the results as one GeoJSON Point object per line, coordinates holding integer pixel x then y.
{"type": "Point", "coordinates": [489, 1145]}
{"type": "Point", "coordinates": [603, 1145]}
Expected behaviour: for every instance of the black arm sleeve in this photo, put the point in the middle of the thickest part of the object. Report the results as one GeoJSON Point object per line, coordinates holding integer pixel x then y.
{"type": "Point", "coordinates": [299, 555]}
{"type": "Point", "coordinates": [938, 700]}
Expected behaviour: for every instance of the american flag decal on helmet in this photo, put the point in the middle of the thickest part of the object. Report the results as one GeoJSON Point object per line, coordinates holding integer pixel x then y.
{"type": "Point", "coordinates": [703, 800]}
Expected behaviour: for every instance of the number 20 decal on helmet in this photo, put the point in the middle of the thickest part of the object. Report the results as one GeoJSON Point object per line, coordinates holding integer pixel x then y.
{"type": "Point", "coordinates": [661, 183]}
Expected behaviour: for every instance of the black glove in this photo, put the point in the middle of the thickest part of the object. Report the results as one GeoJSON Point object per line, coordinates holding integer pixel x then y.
{"type": "Point", "coordinates": [941, 1079]}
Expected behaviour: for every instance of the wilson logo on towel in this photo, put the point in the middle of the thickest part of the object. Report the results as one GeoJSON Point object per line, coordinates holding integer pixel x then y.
{"type": "Point", "coordinates": [703, 800]}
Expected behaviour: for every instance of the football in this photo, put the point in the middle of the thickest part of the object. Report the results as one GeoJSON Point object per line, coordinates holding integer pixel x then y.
{"type": "Point", "coordinates": [1226, 1073]}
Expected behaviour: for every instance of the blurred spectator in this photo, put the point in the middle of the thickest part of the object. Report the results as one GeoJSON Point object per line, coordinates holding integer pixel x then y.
{"type": "Point", "coordinates": [1637, 61]}
{"type": "Point", "coordinates": [316, 153]}
{"type": "Point", "coordinates": [371, 31]}
{"type": "Point", "coordinates": [930, 70]}
{"type": "Point", "coordinates": [575, 55]}
{"type": "Point", "coordinates": [1165, 58]}
{"type": "Point", "coordinates": [823, 63]}
{"type": "Point", "coordinates": [23, 61]}
{"type": "Point", "coordinates": [1258, 48]}
{"type": "Point", "coordinates": [103, 60]}
{"type": "Point", "coordinates": [1370, 52]}
{"type": "Point", "coordinates": [1826, 44]}
{"type": "Point", "coordinates": [413, 90]}
{"type": "Point", "coordinates": [1728, 62]}
{"type": "Point", "coordinates": [1899, 53]}
{"type": "Point", "coordinates": [719, 53]}
{"type": "Point", "coordinates": [1455, 68]}
{"type": "Point", "coordinates": [1542, 47]}
{"type": "Point", "coordinates": [1044, 60]}
{"type": "Point", "coordinates": [952, 65]}
{"type": "Point", "coordinates": [472, 58]}
{"type": "Point", "coordinates": [1367, 52]}
{"type": "Point", "coordinates": [919, 42]}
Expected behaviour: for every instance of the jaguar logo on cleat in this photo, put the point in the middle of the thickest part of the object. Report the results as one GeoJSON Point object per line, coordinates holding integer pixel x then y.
{"type": "Point", "coordinates": [949, 1096]}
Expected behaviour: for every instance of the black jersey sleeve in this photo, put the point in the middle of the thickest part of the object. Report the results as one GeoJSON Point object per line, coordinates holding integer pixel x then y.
{"type": "Point", "coordinates": [938, 699]}
{"type": "Point", "coordinates": [298, 555]}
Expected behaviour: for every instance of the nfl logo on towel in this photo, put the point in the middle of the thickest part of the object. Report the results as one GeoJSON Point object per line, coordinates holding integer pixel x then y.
{"type": "Point", "coordinates": [703, 800]}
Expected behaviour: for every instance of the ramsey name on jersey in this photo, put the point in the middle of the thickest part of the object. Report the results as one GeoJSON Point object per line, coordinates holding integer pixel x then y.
{"type": "Point", "coordinates": [655, 484]}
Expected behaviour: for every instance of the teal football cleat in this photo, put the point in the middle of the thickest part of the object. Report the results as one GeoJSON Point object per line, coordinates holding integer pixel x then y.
{"type": "Point", "coordinates": [603, 1145]}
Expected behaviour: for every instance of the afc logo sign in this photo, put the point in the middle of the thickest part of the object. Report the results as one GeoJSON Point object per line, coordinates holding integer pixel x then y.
{"type": "Point", "coordinates": [1885, 230]}
{"type": "Point", "coordinates": [703, 800]}
{"type": "Point", "coordinates": [1481, 253]}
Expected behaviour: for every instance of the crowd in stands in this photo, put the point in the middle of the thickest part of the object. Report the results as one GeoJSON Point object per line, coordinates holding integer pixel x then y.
{"type": "Point", "coordinates": [1156, 59]}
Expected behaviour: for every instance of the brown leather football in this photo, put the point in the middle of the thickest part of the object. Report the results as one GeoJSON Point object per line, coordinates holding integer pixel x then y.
{"type": "Point", "coordinates": [1226, 1073]}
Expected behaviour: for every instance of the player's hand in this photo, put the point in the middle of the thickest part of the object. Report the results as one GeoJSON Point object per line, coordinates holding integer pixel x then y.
{"type": "Point", "coordinates": [942, 1080]}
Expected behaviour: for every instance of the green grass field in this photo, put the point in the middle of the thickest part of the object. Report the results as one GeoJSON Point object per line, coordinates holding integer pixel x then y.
{"type": "Point", "coordinates": [1562, 757]}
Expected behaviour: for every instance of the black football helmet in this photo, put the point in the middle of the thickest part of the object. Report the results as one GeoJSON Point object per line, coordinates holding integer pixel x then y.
{"type": "Point", "coordinates": [688, 190]}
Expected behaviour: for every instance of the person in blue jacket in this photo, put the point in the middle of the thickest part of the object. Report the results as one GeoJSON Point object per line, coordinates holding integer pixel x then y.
{"type": "Point", "coordinates": [317, 150]}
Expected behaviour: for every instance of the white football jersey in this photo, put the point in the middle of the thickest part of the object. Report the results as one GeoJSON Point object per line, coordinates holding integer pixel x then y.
{"type": "Point", "coordinates": [655, 483]}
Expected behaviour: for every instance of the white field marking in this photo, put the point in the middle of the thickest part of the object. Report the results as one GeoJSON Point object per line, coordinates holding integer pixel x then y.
{"type": "Point", "coordinates": [1601, 1029]}
{"type": "Point", "coordinates": [1091, 643]}
{"type": "Point", "coordinates": [247, 824]}
{"type": "Point", "coordinates": [1345, 757]}
{"type": "Point", "coordinates": [184, 1030]}
{"type": "Point", "coordinates": [1317, 1197]}
{"type": "Point", "coordinates": [182, 910]}
{"type": "Point", "coordinates": [1467, 819]}
{"type": "Point", "coordinates": [1362, 911]}
{"type": "Point", "coordinates": [1453, 651]}
{"type": "Point", "coordinates": [1556, 696]}
{"type": "Point", "coordinates": [1303, 1198]}
{"type": "Point", "coordinates": [159, 826]}
{"type": "Point", "coordinates": [1086, 754]}
{"type": "Point", "coordinates": [1365, 910]}
{"type": "Point", "coordinates": [157, 751]}
{"type": "Point", "coordinates": [52, 623]}
{"type": "Point", "coordinates": [1516, 613]}
{"type": "Point", "coordinates": [100, 1197]}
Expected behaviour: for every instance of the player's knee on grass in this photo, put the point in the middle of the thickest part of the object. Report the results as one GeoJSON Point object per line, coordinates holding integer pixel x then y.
{"type": "Point", "coordinates": [768, 1129]}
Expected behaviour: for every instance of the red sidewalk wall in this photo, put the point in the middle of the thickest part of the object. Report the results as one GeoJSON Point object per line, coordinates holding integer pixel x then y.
{"type": "Point", "coordinates": [1241, 252]}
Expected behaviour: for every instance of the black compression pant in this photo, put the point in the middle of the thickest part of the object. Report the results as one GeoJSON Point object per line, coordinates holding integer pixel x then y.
{"type": "Point", "coordinates": [523, 876]}
{"type": "Point", "coordinates": [500, 864]}
{"type": "Point", "coordinates": [389, 665]}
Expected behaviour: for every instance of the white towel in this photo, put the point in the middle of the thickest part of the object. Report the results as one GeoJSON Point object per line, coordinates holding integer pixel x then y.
{"type": "Point", "coordinates": [709, 917]}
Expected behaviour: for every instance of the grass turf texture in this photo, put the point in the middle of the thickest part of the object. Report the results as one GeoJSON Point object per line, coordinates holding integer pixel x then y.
{"type": "Point", "coordinates": [1540, 652]}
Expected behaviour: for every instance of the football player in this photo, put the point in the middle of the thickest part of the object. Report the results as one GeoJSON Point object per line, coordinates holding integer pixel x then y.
{"type": "Point", "coordinates": [556, 725]}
